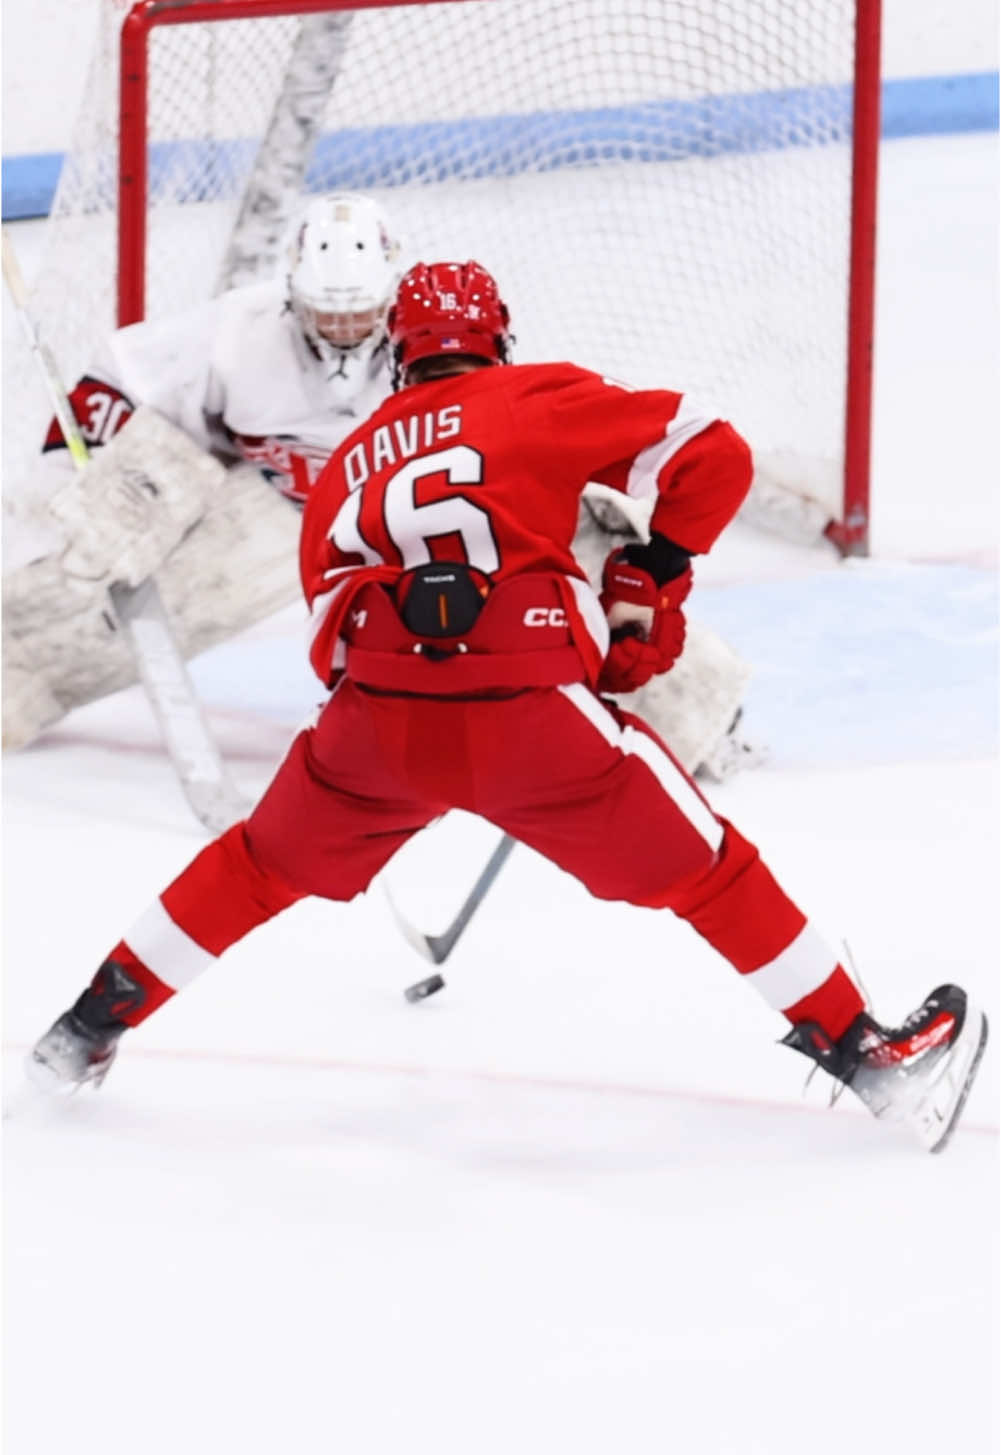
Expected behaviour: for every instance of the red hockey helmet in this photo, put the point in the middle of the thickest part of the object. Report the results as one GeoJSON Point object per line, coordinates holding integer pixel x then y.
{"type": "Point", "coordinates": [447, 308]}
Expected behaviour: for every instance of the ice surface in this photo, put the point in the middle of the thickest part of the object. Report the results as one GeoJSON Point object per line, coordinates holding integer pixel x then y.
{"type": "Point", "coordinates": [577, 1202]}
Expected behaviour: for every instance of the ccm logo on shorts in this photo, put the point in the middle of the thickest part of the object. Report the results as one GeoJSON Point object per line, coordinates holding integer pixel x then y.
{"type": "Point", "coordinates": [545, 616]}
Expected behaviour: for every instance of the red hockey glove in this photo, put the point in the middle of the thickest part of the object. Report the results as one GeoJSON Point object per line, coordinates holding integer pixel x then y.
{"type": "Point", "coordinates": [648, 628]}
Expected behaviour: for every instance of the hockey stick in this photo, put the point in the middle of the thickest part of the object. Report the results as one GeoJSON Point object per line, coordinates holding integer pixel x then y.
{"type": "Point", "coordinates": [437, 948]}
{"type": "Point", "coordinates": [213, 796]}
{"type": "Point", "coordinates": [141, 615]}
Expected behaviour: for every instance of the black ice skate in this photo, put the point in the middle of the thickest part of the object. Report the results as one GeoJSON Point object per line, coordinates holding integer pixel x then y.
{"type": "Point", "coordinates": [920, 1073]}
{"type": "Point", "coordinates": [79, 1049]}
{"type": "Point", "coordinates": [71, 1054]}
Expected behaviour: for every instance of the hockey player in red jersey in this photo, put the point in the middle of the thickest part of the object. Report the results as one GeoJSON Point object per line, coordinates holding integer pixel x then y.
{"type": "Point", "coordinates": [467, 656]}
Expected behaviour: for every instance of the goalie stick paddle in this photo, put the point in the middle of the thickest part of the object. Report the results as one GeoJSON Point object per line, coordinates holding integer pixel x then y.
{"type": "Point", "coordinates": [437, 948]}
{"type": "Point", "coordinates": [141, 615]}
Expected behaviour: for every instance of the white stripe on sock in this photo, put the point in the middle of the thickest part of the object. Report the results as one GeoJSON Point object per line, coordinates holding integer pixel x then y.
{"type": "Point", "coordinates": [164, 948]}
{"type": "Point", "coordinates": [670, 777]}
{"type": "Point", "coordinates": [801, 968]}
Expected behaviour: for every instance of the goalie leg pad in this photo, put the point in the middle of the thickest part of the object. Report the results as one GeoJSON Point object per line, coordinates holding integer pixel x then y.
{"type": "Point", "coordinates": [61, 647]}
{"type": "Point", "coordinates": [29, 705]}
{"type": "Point", "coordinates": [239, 565]}
{"type": "Point", "coordinates": [61, 643]}
{"type": "Point", "coordinates": [695, 705]}
{"type": "Point", "coordinates": [692, 706]}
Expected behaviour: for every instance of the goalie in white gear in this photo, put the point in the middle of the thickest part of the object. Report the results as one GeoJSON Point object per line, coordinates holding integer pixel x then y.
{"type": "Point", "coordinates": [192, 420]}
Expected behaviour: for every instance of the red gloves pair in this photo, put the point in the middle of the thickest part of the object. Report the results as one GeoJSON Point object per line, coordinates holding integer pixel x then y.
{"type": "Point", "coordinates": [648, 628]}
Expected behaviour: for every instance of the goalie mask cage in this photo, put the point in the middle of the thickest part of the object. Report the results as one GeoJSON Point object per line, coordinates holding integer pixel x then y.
{"type": "Point", "coordinates": [678, 193]}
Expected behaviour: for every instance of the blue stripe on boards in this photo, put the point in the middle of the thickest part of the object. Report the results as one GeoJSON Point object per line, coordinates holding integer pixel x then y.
{"type": "Point", "coordinates": [939, 105]}
{"type": "Point", "coordinates": [29, 183]}
{"type": "Point", "coordinates": [503, 146]}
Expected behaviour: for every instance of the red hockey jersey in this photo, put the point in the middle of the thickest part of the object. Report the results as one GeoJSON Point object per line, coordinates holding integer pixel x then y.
{"type": "Point", "coordinates": [488, 468]}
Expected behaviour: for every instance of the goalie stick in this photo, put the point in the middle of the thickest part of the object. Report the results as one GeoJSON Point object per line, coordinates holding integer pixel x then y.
{"type": "Point", "coordinates": [437, 948]}
{"type": "Point", "coordinates": [141, 616]}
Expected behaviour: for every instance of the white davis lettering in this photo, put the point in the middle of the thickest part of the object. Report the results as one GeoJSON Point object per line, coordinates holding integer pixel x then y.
{"type": "Point", "coordinates": [389, 444]}
{"type": "Point", "coordinates": [545, 616]}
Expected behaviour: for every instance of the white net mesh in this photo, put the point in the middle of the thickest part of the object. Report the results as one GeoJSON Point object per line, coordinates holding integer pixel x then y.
{"type": "Point", "coordinates": [660, 186]}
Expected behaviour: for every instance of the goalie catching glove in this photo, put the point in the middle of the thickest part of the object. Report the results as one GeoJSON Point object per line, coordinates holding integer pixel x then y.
{"type": "Point", "coordinates": [136, 500]}
{"type": "Point", "coordinates": [643, 589]}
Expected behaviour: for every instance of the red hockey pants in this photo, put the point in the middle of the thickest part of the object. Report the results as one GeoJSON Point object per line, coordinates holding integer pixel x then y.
{"type": "Point", "coordinates": [589, 787]}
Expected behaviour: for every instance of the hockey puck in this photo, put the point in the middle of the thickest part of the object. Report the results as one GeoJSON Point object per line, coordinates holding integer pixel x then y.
{"type": "Point", "coordinates": [424, 988]}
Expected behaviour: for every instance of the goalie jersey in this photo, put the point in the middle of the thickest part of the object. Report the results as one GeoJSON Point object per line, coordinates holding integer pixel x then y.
{"type": "Point", "coordinates": [239, 378]}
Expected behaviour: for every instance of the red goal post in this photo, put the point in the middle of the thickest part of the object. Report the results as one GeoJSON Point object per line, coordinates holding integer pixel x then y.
{"type": "Point", "coordinates": [681, 195]}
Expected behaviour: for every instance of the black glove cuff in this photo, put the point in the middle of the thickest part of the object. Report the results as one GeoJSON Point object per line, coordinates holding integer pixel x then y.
{"type": "Point", "coordinates": [660, 557]}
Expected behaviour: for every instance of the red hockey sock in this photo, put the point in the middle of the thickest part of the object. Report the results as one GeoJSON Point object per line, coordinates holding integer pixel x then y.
{"type": "Point", "coordinates": [223, 894]}
{"type": "Point", "coordinates": [739, 908]}
{"type": "Point", "coordinates": [214, 902]}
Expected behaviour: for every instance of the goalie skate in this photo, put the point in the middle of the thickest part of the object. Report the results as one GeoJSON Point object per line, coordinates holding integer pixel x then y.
{"type": "Point", "coordinates": [919, 1074]}
{"type": "Point", "coordinates": [732, 753]}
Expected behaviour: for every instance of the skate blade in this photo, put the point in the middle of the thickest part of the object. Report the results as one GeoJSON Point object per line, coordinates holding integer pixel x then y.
{"type": "Point", "coordinates": [43, 1077]}
{"type": "Point", "coordinates": [937, 1115]}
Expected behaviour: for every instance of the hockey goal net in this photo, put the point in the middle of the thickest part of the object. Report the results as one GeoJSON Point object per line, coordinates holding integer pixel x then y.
{"type": "Point", "coordinates": [677, 194]}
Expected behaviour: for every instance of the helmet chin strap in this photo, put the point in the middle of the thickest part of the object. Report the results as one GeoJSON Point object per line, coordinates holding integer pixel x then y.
{"type": "Point", "coordinates": [346, 371]}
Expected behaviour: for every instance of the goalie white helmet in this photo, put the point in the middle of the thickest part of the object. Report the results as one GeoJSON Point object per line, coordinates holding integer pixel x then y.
{"type": "Point", "coordinates": [342, 272]}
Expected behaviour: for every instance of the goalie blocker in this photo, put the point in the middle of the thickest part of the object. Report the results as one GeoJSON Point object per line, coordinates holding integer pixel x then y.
{"type": "Point", "coordinates": [221, 543]}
